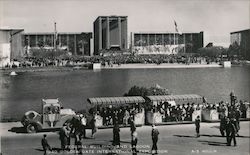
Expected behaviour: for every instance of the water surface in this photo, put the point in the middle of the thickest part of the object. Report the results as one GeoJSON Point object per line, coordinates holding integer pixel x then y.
{"type": "Point", "coordinates": [25, 91]}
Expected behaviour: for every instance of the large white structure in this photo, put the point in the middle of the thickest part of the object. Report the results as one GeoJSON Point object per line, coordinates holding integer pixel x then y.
{"type": "Point", "coordinates": [10, 45]}
{"type": "Point", "coordinates": [4, 54]}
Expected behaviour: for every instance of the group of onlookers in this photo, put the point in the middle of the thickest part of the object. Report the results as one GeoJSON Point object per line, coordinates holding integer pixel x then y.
{"type": "Point", "coordinates": [175, 112]}
{"type": "Point", "coordinates": [184, 112]}
{"type": "Point", "coordinates": [121, 115]}
{"type": "Point", "coordinates": [108, 60]}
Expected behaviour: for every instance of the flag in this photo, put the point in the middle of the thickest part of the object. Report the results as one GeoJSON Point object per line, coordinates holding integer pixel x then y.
{"type": "Point", "coordinates": [175, 24]}
{"type": "Point", "coordinates": [176, 28]}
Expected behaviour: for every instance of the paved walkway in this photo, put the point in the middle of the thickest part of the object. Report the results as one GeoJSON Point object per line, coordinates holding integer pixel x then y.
{"type": "Point", "coordinates": [174, 140]}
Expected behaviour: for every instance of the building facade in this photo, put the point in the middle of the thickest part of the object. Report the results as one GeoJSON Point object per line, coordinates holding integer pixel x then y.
{"type": "Point", "coordinates": [166, 43]}
{"type": "Point", "coordinates": [10, 45]}
{"type": "Point", "coordinates": [242, 38]}
{"type": "Point", "coordinates": [76, 43]}
{"type": "Point", "coordinates": [110, 32]}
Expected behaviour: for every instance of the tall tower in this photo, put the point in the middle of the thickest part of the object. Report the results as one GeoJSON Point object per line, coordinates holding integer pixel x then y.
{"type": "Point", "coordinates": [110, 32]}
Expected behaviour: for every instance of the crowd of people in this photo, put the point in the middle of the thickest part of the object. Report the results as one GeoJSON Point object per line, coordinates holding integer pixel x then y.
{"type": "Point", "coordinates": [229, 115]}
{"type": "Point", "coordinates": [175, 112]}
{"type": "Point", "coordinates": [120, 115]}
{"type": "Point", "coordinates": [109, 60]}
{"type": "Point", "coordinates": [184, 112]}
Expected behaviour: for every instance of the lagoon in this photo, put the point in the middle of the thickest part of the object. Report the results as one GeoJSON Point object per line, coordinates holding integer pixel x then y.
{"type": "Point", "coordinates": [24, 92]}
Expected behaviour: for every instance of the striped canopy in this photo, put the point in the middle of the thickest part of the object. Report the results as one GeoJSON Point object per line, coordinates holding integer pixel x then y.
{"type": "Point", "coordinates": [185, 97]}
{"type": "Point", "coordinates": [116, 100]}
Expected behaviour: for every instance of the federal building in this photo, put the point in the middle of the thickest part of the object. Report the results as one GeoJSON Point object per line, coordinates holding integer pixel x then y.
{"type": "Point", "coordinates": [166, 42]}
{"type": "Point", "coordinates": [110, 32]}
{"type": "Point", "coordinates": [242, 38]}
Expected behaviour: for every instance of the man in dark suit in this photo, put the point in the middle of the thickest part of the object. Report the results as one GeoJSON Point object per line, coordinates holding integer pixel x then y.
{"type": "Point", "coordinates": [197, 126]}
{"type": "Point", "coordinates": [233, 131]}
{"type": "Point", "coordinates": [154, 135]}
{"type": "Point", "coordinates": [45, 144]}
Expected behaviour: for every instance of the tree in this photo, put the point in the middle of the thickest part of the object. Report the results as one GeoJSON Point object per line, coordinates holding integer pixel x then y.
{"type": "Point", "coordinates": [137, 91]}
{"type": "Point", "coordinates": [212, 52]}
{"type": "Point", "coordinates": [143, 91]}
{"type": "Point", "coordinates": [236, 50]}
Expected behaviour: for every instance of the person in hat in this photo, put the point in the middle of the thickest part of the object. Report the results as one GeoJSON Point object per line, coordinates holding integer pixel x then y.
{"type": "Point", "coordinates": [83, 125]}
{"type": "Point", "coordinates": [232, 132]}
{"type": "Point", "coordinates": [45, 144]}
{"type": "Point", "coordinates": [134, 139]}
{"type": "Point", "coordinates": [197, 126]}
{"type": "Point", "coordinates": [155, 133]}
{"type": "Point", "coordinates": [93, 127]}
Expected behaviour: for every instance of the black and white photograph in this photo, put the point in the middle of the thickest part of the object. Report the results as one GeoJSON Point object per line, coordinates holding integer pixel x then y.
{"type": "Point", "coordinates": [124, 77]}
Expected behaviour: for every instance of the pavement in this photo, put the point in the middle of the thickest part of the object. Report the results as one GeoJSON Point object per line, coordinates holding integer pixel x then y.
{"type": "Point", "coordinates": [177, 139]}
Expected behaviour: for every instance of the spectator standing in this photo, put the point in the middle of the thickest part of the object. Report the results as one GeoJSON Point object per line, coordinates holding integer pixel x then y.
{"type": "Point", "coordinates": [83, 125]}
{"type": "Point", "coordinates": [243, 109]}
{"type": "Point", "coordinates": [93, 127]}
{"type": "Point", "coordinates": [197, 126]}
{"type": "Point", "coordinates": [227, 127]}
{"type": "Point", "coordinates": [134, 139]}
{"type": "Point", "coordinates": [132, 125]}
{"type": "Point", "coordinates": [232, 132]}
{"type": "Point", "coordinates": [237, 120]}
{"type": "Point", "coordinates": [45, 144]}
{"type": "Point", "coordinates": [116, 134]}
{"type": "Point", "coordinates": [222, 125]}
{"type": "Point", "coordinates": [155, 133]}
{"type": "Point", "coordinates": [64, 137]}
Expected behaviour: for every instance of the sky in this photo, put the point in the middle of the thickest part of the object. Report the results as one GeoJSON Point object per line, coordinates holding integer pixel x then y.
{"type": "Point", "coordinates": [217, 18]}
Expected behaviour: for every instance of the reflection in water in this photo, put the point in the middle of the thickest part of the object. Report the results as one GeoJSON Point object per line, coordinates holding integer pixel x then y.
{"type": "Point", "coordinates": [25, 91]}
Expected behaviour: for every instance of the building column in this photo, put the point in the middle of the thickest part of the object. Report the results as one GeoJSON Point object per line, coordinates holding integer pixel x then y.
{"type": "Point", "coordinates": [155, 39]}
{"type": "Point", "coordinates": [68, 42]}
{"type": "Point", "coordinates": [107, 34]}
{"type": "Point", "coordinates": [125, 33]}
{"type": "Point", "coordinates": [100, 33]}
{"type": "Point", "coordinates": [140, 39]}
{"type": "Point", "coordinates": [148, 39]}
{"type": "Point", "coordinates": [119, 32]}
{"type": "Point", "coordinates": [75, 44]}
{"type": "Point", "coordinates": [131, 41]}
{"type": "Point", "coordinates": [28, 40]}
{"type": "Point", "coordinates": [52, 41]}
{"type": "Point", "coordinates": [60, 40]}
{"type": "Point", "coordinates": [169, 38]}
{"type": "Point", "coordinates": [36, 41]}
{"type": "Point", "coordinates": [44, 40]}
{"type": "Point", "coordinates": [162, 39]}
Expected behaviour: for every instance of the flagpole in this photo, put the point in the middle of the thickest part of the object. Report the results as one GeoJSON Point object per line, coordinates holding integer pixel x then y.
{"type": "Point", "coordinates": [55, 36]}
{"type": "Point", "coordinates": [174, 34]}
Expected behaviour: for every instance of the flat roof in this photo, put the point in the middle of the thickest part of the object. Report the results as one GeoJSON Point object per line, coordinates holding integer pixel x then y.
{"type": "Point", "coordinates": [116, 100]}
{"type": "Point", "coordinates": [112, 16]}
{"type": "Point", "coordinates": [240, 31]}
{"type": "Point", "coordinates": [9, 29]}
{"type": "Point", "coordinates": [175, 97]}
{"type": "Point", "coordinates": [165, 32]}
{"type": "Point", "coordinates": [50, 33]}
{"type": "Point", "coordinates": [115, 16]}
